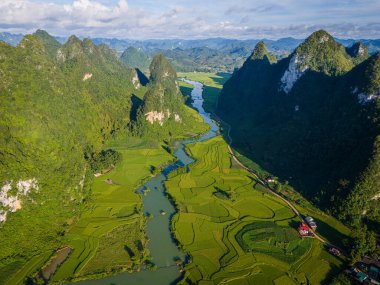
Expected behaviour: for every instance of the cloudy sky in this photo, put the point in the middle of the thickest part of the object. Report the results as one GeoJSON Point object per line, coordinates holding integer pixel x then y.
{"type": "Point", "coordinates": [243, 19]}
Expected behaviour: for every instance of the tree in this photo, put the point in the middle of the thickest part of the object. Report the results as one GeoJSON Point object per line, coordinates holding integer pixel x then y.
{"type": "Point", "coordinates": [364, 243]}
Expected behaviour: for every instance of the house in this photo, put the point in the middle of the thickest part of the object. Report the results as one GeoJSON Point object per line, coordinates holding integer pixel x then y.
{"type": "Point", "coordinates": [304, 230]}
{"type": "Point", "coordinates": [312, 224]}
{"type": "Point", "coordinates": [270, 179]}
{"type": "Point", "coordinates": [360, 276]}
{"type": "Point", "coordinates": [374, 273]}
{"type": "Point", "coordinates": [334, 251]}
{"type": "Point", "coordinates": [373, 266]}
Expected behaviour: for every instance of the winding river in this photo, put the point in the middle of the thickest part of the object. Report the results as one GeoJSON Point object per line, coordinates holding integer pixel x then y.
{"type": "Point", "coordinates": [162, 248]}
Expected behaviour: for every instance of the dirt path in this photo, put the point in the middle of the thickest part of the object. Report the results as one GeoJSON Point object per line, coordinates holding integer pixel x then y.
{"type": "Point", "coordinates": [270, 190]}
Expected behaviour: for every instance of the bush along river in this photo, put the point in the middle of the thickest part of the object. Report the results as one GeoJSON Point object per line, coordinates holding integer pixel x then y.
{"type": "Point", "coordinates": [163, 249]}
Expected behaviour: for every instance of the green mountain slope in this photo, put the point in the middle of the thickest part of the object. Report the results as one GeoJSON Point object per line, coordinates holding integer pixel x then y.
{"type": "Point", "coordinates": [134, 57]}
{"type": "Point", "coordinates": [58, 105]}
{"type": "Point", "coordinates": [310, 119]}
{"type": "Point", "coordinates": [163, 113]}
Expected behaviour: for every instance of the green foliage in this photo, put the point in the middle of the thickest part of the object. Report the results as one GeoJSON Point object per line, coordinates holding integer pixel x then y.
{"type": "Point", "coordinates": [50, 115]}
{"type": "Point", "coordinates": [133, 57]}
{"type": "Point", "coordinates": [341, 279]}
{"type": "Point", "coordinates": [163, 114]}
{"type": "Point", "coordinates": [161, 70]}
{"type": "Point", "coordinates": [269, 238]}
{"type": "Point", "coordinates": [317, 137]}
{"type": "Point", "coordinates": [260, 52]}
{"type": "Point", "coordinates": [50, 43]}
{"type": "Point", "coordinates": [358, 51]}
{"type": "Point", "coordinates": [364, 243]}
{"type": "Point", "coordinates": [104, 160]}
{"type": "Point", "coordinates": [249, 237]}
{"type": "Point", "coordinates": [321, 53]}
{"type": "Point", "coordinates": [212, 85]}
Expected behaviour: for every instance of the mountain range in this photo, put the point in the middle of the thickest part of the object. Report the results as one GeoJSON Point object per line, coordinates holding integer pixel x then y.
{"type": "Point", "coordinates": [210, 55]}
{"type": "Point", "coordinates": [312, 119]}
{"type": "Point", "coordinates": [60, 104]}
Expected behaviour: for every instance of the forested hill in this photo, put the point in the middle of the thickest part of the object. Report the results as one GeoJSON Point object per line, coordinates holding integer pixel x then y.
{"type": "Point", "coordinates": [162, 113]}
{"type": "Point", "coordinates": [59, 104]}
{"type": "Point", "coordinates": [312, 119]}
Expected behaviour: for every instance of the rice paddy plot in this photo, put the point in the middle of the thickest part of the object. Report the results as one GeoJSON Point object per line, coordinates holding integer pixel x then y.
{"type": "Point", "coordinates": [110, 236]}
{"type": "Point", "coordinates": [236, 233]}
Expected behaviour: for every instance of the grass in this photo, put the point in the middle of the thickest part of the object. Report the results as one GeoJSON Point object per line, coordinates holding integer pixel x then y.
{"type": "Point", "coordinates": [213, 84]}
{"type": "Point", "coordinates": [29, 268]}
{"type": "Point", "coordinates": [243, 236]}
{"type": "Point", "coordinates": [109, 234]}
{"type": "Point", "coordinates": [328, 227]}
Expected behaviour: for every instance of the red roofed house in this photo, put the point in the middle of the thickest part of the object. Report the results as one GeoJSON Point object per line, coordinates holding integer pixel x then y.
{"type": "Point", "coordinates": [304, 230]}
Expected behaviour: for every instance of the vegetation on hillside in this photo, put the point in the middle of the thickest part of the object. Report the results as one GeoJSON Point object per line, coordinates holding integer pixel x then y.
{"type": "Point", "coordinates": [134, 57]}
{"type": "Point", "coordinates": [322, 136]}
{"type": "Point", "coordinates": [163, 113]}
{"type": "Point", "coordinates": [60, 105]}
{"type": "Point", "coordinates": [235, 231]}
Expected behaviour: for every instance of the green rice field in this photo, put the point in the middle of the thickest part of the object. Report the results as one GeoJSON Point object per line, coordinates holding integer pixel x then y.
{"type": "Point", "coordinates": [110, 236]}
{"type": "Point", "coordinates": [213, 84]}
{"type": "Point", "coordinates": [236, 233]}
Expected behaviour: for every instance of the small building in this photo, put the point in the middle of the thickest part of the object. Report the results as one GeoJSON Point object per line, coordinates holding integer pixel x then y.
{"type": "Point", "coordinates": [312, 224]}
{"type": "Point", "coordinates": [304, 230]}
{"type": "Point", "coordinates": [334, 251]}
{"type": "Point", "coordinates": [373, 266]}
{"type": "Point", "coordinates": [360, 277]}
{"type": "Point", "coordinates": [374, 273]}
{"type": "Point", "coordinates": [270, 179]}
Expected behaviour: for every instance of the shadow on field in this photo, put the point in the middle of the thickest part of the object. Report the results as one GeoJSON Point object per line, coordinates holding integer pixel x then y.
{"type": "Point", "coordinates": [329, 232]}
{"type": "Point", "coordinates": [223, 77]}
{"type": "Point", "coordinates": [335, 270]}
{"type": "Point", "coordinates": [294, 224]}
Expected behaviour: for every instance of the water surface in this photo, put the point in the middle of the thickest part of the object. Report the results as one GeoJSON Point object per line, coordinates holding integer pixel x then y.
{"type": "Point", "coordinates": [162, 248]}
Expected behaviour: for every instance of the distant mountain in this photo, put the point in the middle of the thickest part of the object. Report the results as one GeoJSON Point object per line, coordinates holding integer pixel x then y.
{"type": "Point", "coordinates": [136, 58]}
{"type": "Point", "coordinates": [214, 54]}
{"type": "Point", "coordinates": [12, 39]}
{"type": "Point", "coordinates": [312, 119]}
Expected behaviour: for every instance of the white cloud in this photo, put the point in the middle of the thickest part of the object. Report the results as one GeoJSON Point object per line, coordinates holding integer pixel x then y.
{"type": "Point", "coordinates": [192, 19]}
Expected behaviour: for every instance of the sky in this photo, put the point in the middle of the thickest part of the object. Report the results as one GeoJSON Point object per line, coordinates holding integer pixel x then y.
{"type": "Point", "coordinates": [192, 19]}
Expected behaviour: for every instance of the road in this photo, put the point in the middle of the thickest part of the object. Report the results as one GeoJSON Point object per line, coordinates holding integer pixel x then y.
{"type": "Point", "coordinates": [270, 190]}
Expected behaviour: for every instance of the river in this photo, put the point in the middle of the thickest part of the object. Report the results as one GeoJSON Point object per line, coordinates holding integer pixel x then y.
{"type": "Point", "coordinates": [162, 248]}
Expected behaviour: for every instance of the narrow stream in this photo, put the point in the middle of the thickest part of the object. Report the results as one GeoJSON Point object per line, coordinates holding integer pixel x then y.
{"type": "Point", "coordinates": [162, 248]}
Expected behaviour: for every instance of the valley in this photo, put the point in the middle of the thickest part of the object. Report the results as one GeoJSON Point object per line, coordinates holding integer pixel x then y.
{"type": "Point", "coordinates": [119, 170]}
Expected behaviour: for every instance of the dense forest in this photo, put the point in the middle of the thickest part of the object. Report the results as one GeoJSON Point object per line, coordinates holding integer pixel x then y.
{"type": "Point", "coordinates": [312, 120]}
{"type": "Point", "coordinates": [60, 104]}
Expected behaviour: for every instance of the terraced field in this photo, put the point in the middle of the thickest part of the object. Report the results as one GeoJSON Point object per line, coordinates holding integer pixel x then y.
{"type": "Point", "coordinates": [109, 236]}
{"type": "Point", "coordinates": [236, 233]}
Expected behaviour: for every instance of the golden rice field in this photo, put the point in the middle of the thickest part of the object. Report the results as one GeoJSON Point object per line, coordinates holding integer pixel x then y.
{"type": "Point", "coordinates": [236, 233]}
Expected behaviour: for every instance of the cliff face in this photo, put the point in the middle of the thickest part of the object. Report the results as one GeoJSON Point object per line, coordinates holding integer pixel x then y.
{"type": "Point", "coordinates": [311, 119]}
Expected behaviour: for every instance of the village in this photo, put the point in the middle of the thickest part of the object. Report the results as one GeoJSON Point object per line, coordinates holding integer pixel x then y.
{"type": "Point", "coordinates": [367, 271]}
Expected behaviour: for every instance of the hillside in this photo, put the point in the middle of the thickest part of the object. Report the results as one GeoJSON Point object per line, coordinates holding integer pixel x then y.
{"type": "Point", "coordinates": [60, 104]}
{"type": "Point", "coordinates": [311, 119]}
{"type": "Point", "coordinates": [162, 113]}
{"type": "Point", "coordinates": [134, 57]}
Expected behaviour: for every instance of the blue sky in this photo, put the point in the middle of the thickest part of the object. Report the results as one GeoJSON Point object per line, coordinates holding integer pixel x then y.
{"type": "Point", "coordinates": [243, 19]}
